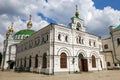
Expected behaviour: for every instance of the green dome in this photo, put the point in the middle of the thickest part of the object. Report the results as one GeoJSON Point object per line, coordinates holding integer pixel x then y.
{"type": "Point", "coordinates": [22, 34]}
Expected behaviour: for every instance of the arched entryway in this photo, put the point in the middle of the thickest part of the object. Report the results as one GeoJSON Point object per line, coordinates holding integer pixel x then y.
{"type": "Point", "coordinates": [93, 61]}
{"type": "Point", "coordinates": [30, 62]}
{"type": "Point", "coordinates": [82, 62]}
{"type": "Point", "coordinates": [44, 62]}
{"type": "Point", "coordinates": [11, 64]}
{"type": "Point", "coordinates": [63, 60]}
{"type": "Point", "coordinates": [36, 61]}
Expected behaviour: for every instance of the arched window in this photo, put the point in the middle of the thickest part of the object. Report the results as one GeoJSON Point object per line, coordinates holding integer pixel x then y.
{"type": "Point", "coordinates": [47, 38]}
{"type": "Point", "coordinates": [44, 62]}
{"type": "Point", "coordinates": [106, 46]}
{"type": "Point", "coordinates": [36, 61]}
{"type": "Point", "coordinates": [90, 43]}
{"type": "Point", "coordinates": [66, 38]}
{"type": "Point", "coordinates": [79, 40]}
{"type": "Point", "coordinates": [30, 61]}
{"type": "Point", "coordinates": [93, 61]}
{"type": "Point", "coordinates": [118, 41]}
{"type": "Point", "coordinates": [63, 60]}
{"type": "Point", "coordinates": [78, 26]}
{"type": "Point", "coordinates": [94, 44]}
{"type": "Point", "coordinates": [59, 37]}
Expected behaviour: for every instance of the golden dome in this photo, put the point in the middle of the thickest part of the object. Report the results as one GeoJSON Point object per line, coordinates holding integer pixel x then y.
{"type": "Point", "coordinates": [11, 30]}
{"type": "Point", "coordinates": [29, 24]}
{"type": "Point", "coordinates": [8, 33]}
{"type": "Point", "coordinates": [77, 14]}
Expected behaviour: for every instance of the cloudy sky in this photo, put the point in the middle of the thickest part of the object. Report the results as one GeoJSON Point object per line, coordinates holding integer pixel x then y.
{"type": "Point", "coordinates": [98, 15]}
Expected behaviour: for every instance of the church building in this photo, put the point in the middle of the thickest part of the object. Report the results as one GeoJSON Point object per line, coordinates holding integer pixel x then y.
{"type": "Point", "coordinates": [57, 49]}
{"type": "Point", "coordinates": [111, 48]}
{"type": "Point", "coordinates": [9, 45]}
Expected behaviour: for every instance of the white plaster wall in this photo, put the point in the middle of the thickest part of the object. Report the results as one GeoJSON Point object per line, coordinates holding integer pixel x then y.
{"type": "Point", "coordinates": [71, 48]}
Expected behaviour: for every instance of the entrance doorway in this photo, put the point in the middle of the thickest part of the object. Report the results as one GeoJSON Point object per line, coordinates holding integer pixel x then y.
{"type": "Point", "coordinates": [11, 64]}
{"type": "Point", "coordinates": [83, 63]}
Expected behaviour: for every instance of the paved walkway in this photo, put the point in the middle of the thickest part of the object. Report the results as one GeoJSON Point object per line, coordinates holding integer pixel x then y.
{"type": "Point", "coordinates": [101, 75]}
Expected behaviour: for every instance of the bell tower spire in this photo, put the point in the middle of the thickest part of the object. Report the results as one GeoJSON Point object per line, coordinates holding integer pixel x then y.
{"type": "Point", "coordinates": [77, 23]}
{"type": "Point", "coordinates": [77, 13]}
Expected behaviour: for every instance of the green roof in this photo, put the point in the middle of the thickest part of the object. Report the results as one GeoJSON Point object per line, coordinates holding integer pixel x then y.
{"type": "Point", "coordinates": [118, 26]}
{"type": "Point", "coordinates": [25, 32]}
{"type": "Point", "coordinates": [22, 34]}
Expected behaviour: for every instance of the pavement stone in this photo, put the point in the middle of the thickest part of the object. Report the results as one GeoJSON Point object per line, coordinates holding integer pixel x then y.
{"type": "Point", "coordinates": [101, 75]}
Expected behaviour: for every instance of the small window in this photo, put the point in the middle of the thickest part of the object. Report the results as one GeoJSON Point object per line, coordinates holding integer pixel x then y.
{"type": "Point", "coordinates": [118, 41]}
{"type": "Point", "coordinates": [82, 41]}
{"type": "Point", "coordinates": [79, 40]}
{"type": "Point", "coordinates": [90, 43]}
{"type": "Point", "coordinates": [25, 62]}
{"type": "Point", "coordinates": [27, 36]}
{"type": "Point", "coordinates": [106, 46]}
{"type": "Point", "coordinates": [115, 64]}
{"type": "Point", "coordinates": [59, 37]}
{"type": "Point", "coordinates": [66, 38]}
{"type": "Point", "coordinates": [36, 61]}
{"type": "Point", "coordinates": [47, 37]}
{"type": "Point", "coordinates": [108, 63]}
{"type": "Point", "coordinates": [94, 44]}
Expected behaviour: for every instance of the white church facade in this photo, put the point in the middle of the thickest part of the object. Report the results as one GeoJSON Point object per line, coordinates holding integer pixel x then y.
{"type": "Point", "coordinates": [55, 48]}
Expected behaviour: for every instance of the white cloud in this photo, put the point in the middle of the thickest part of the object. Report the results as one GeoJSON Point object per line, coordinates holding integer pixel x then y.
{"type": "Point", "coordinates": [97, 21]}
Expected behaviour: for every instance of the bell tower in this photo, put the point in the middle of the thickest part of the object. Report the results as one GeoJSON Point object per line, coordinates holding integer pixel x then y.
{"type": "Point", "coordinates": [77, 23]}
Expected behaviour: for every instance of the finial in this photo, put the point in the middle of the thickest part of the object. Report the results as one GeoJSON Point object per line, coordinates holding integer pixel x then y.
{"type": "Point", "coordinates": [76, 7]}
{"type": "Point", "coordinates": [29, 24]}
{"type": "Point", "coordinates": [30, 16]}
{"type": "Point", "coordinates": [11, 28]}
{"type": "Point", "coordinates": [77, 13]}
{"type": "Point", "coordinates": [12, 24]}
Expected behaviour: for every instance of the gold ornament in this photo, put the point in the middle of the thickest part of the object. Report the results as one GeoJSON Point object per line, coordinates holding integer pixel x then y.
{"type": "Point", "coordinates": [29, 24]}
{"type": "Point", "coordinates": [77, 13]}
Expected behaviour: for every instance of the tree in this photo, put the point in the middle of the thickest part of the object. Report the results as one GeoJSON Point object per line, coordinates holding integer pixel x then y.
{"type": "Point", "coordinates": [0, 58]}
